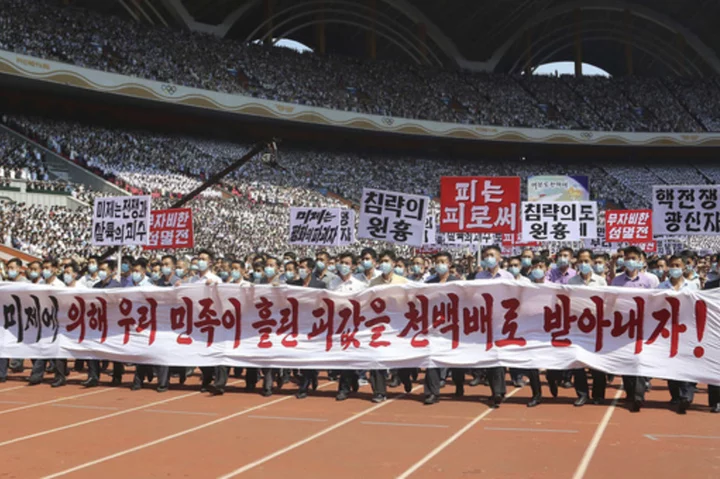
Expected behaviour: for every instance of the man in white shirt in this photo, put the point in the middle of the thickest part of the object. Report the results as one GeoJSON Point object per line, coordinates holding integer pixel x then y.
{"type": "Point", "coordinates": [515, 268]}
{"type": "Point", "coordinates": [91, 278]}
{"type": "Point", "coordinates": [205, 276]}
{"type": "Point", "coordinates": [368, 258]}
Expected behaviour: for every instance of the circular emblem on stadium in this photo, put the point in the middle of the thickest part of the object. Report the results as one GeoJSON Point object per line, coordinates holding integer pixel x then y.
{"type": "Point", "coordinates": [586, 134]}
{"type": "Point", "coordinates": [169, 89]}
{"type": "Point", "coordinates": [388, 121]}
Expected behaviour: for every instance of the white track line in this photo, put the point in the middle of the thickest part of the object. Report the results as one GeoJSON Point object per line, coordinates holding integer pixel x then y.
{"type": "Point", "coordinates": [99, 418]}
{"type": "Point", "coordinates": [449, 441]}
{"type": "Point", "coordinates": [52, 401]}
{"type": "Point", "coordinates": [302, 442]}
{"type": "Point", "coordinates": [401, 424]}
{"type": "Point", "coordinates": [592, 447]}
{"type": "Point", "coordinates": [172, 436]}
{"type": "Point", "coordinates": [13, 388]}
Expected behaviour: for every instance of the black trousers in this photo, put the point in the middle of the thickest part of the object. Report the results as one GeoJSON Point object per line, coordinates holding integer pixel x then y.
{"type": "Point", "coordinates": [163, 376]}
{"type": "Point", "coordinates": [348, 381]}
{"type": "Point", "coordinates": [208, 372]}
{"type": "Point", "coordinates": [4, 363]}
{"type": "Point", "coordinates": [634, 387]}
{"type": "Point", "coordinates": [251, 377]}
{"type": "Point", "coordinates": [38, 369]}
{"type": "Point", "coordinates": [142, 371]}
{"type": "Point", "coordinates": [94, 369]}
{"type": "Point", "coordinates": [681, 390]}
{"type": "Point", "coordinates": [433, 377]}
{"type": "Point", "coordinates": [534, 377]}
{"type": "Point", "coordinates": [599, 383]}
{"type": "Point", "coordinates": [496, 379]}
{"type": "Point", "coordinates": [405, 376]}
{"type": "Point", "coordinates": [308, 379]}
{"type": "Point", "coordinates": [378, 382]}
{"type": "Point", "coordinates": [713, 395]}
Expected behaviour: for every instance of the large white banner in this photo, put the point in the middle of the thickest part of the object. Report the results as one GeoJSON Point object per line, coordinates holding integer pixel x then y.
{"type": "Point", "coordinates": [686, 210]}
{"type": "Point", "coordinates": [121, 220]}
{"type": "Point", "coordinates": [475, 324]}
{"type": "Point", "coordinates": [393, 217]}
{"type": "Point", "coordinates": [561, 221]}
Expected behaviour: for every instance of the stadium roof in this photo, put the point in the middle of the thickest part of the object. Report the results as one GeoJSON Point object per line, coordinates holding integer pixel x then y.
{"type": "Point", "coordinates": [643, 36]}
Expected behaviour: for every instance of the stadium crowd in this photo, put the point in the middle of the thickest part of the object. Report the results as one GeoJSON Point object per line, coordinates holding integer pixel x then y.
{"type": "Point", "coordinates": [48, 30]}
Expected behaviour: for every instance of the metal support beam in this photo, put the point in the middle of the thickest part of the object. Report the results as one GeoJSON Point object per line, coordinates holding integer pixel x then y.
{"type": "Point", "coordinates": [578, 43]}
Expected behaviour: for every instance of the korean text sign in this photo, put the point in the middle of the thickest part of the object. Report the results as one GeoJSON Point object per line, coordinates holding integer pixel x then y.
{"type": "Point", "coordinates": [666, 334]}
{"type": "Point", "coordinates": [171, 229]}
{"type": "Point", "coordinates": [393, 217]}
{"type": "Point", "coordinates": [561, 221]}
{"type": "Point", "coordinates": [686, 210]}
{"type": "Point", "coordinates": [479, 204]}
{"type": "Point", "coordinates": [121, 220]}
{"type": "Point", "coordinates": [628, 226]}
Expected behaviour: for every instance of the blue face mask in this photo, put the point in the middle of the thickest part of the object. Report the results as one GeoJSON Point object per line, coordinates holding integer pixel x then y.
{"type": "Point", "coordinates": [303, 273]}
{"type": "Point", "coordinates": [675, 272]}
{"type": "Point", "coordinates": [202, 265]}
{"type": "Point", "coordinates": [179, 272]}
{"type": "Point", "coordinates": [92, 268]}
{"type": "Point", "coordinates": [269, 271]}
{"type": "Point", "coordinates": [385, 268]}
{"type": "Point", "coordinates": [343, 269]}
{"type": "Point", "coordinates": [67, 278]}
{"type": "Point", "coordinates": [537, 273]}
{"type": "Point", "coordinates": [633, 265]}
{"type": "Point", "coordinates": [359, 270]}
{"type": "Point", "coordinates": [194, 267]}
{"type": "Point", "coordinates": [367, 264]}
{"type": "Point", "coordinates": [125, 267]}
{"type": "Point", "coordinates": [514, 270]}
{"type": "Point", "coordinates": [257, 274]}
{"type": "Point", "coordinates": [553, 266]}
{"type": "Point", "coordinates": [657, 272]}
{"type": "Point", "coordinates": [399, 271]}
{"type": "Point", "coordinates": [442, 268]}
{"type": "Point", "coordinates": [319, 266]}
{"type": "Point", "coordinates": [332, 268]}
{"type": "Point", "coordinates": [289, 275]}
{"type": "Point", "coordinates": [224, 275]}
{"type": "Point", "coordinates": [235, 274]}
{"type": "Point", "coordinates": [155, 276]}
{"type": "Point", "coordinates": [416, 269]}
{"type": "Point", "coordinates": [689, 268]}
{"type": "Point", "coordinates": [489, 263]}
{"type": "Point", "coordinates": [599, 268]}
{"type": "Point", "coordinates": [33, 275]}
{"type": "Point", "coordinates": [102, 274]}
{"type": "Point", "coordinates": [47, 274]}
{"type": "Point", "coordinates": [562, 262]}
{"type": "Point", "coordinates": [12, 273]}
{"type": "Point", "coordinates": [585, 268]}
{"type": "Point", "coordinates": [620, 262]}
{"type": "Point", "coordinates": [526, 262]}
{"type": "Point", "coordinates": [166, 271]}
{"type": "Point", "coordinates": [137, 277]}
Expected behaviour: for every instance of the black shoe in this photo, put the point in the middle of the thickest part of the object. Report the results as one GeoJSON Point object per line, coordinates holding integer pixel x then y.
{"type": "Point", "coordinates": [683, 406]}
{"type": "Point", "coordinates": [136, 387]}
{"type": "Point", "coordinates": [581, 401]}
{"type": "Point", "coordinates": [378, 398]}
{"type": "Point", "coordinates": [59, 382]}
{"type": "Point", "coordinates": [533, 402]}
{"type": "Point", "coordinates": [34, 382]}
{"type": "Point", "coordinates": [635, 406]}
{"type": "Point", "coordinates": [341, 396]}
{"type": "Point", "coordinates": [204, 388]}
{"type": "Point", "coordinates": [250, 388]}
{"type": "Point", "coordinates": [553, 388]}
{"type": "Point", "coordinates": [674, 401]}
{"type": "Point", "coordinates": [90, 383]}
{"type": "Point", "coordinates": [459, 392]}
{"type": "Point", "coordinates": [301, 395]}
{"type": "Point", "coordinates": [715, 409]}
{"type": "Point", "coordinates": [266, 393]}
{"type": "Point", "coordinates": [408, 387]}
{"type": "Point", "coordinates": [431, 399]}
{"type": "Point", "coordinates": [217, 391]}
{"type": "Point", "coordinates": [161, 389]}
{"type": "Point", "coordinates": [598, 401]}
{"type": "Point", "coordinates": [475, 381]}
{"type": "Point", "coordinates": [496, 401]}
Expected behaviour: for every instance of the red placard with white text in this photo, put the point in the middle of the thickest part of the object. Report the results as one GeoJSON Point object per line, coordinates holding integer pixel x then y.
{"type": "Point", "coordinates": [628, 226]}
{"type": "Point", "coordinates": [479, 204]}
{"type": "Point", "coordinates": [171, 229]}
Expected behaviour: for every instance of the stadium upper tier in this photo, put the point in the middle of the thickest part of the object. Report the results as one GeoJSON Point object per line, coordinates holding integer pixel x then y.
{"type": "Point", "coordinates": [88, 39]}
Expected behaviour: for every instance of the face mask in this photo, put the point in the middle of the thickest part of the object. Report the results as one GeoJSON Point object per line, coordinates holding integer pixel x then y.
{"type": "Point", "coordinates": [620, 262]}
{"type": "Point", "coordinates": [33, 274]}
{"type": "Point", "coordinates": [675, 272]}
{"type": "Point", "coordinates": [125, 268]}
{"type": "Point", "coordinates": [514, 270]}
{"type": "Point", "coordinates": [166, 271]}
{"type": "Point", "coordinates": [385, 268]}
{"type": "Point", "coordinates": [553, 266]}
{"type": "Point", "coordinates": [489, 263]}
{"type": "Point", "coordinates": [155, 276]}
{"type": "Point", "coordinates": [193, 267]}
{"type": "Point", "coordinates": [442, 268]}
{"type": "Point", "coordinates": [599, 268]}
{"type": "Point", "coordinates": [289, 275]}
{"type": "Point", "coordinates": [585, 268]}
{"type": "Point", "coordinates": [179, 272]}
{"type": "Point", "coordinates": [224, 275]}
{"type": "Point", "coordinates": [657, 272]}
{"type": "Point", "coordinates": [563, 261]}
{"type": "Point", "coordinates": [235, 274]}
{"type": "Point", "coordinates": [102, 274]}
{"type": "Point", "coordinates": [343, 269]}
{"type": "Point", "coordinates": [286, 261]}
{"type": "Point", "coordinates": [269, 271]}
{"type": "Point", "coordinates": [67, 278]}
{"type": "Point", "coordinates": [360, 269]}
{"type": "Point", "coordinates": [537, 273]}
{"type": "Point", "coordinates": [367, 264]}
{"type": "Point", "coordinates": [202, 265]}
{"type": "Point", "coordinates": [303, 273]}
{"type": "Point", "coordinates": [416, 269]}
{"type": "Point", "coordinates": [319, 266]}
{"type": "Point", "coordinates": [689, 268]}
{"type": "Point", "coordinates": [332, 268]}
{"type": "Point", "coordinates": [137, 277]}
{"type": "Point", "coordinates": [633, 265]}
{"type": "Point", "coordinates": [248, 266]}
{"type": "Point", "coordinates": [92, 268]}
{"type": "Point", "coordinates": [526, 262]}
{"type": "Point", "coordinates": [399, 271]}
{"type": "Point", "coordinates": [257, 274]}
{"type": "Point", "coordinates": [12, 274]}
{"type": "Point", "coordinates": [47, 274]}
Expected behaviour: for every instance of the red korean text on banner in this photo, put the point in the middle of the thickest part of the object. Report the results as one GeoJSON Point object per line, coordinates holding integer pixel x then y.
{"type": "Point", "coordinates": [171, 229]}
{"type": "Point", "coordinates": [479, 204]}
{"type": "Point", "coordinates": [628, 226]}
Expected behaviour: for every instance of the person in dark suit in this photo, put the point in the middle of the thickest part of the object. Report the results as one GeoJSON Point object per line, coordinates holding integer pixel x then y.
{"type": "Point", "coordinates": [713, 389]}
{"type": "Point", "coordinates": [308, 377]}
{"type": "Point", "coordinates": [106, 273]}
